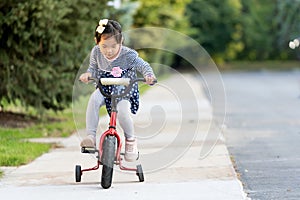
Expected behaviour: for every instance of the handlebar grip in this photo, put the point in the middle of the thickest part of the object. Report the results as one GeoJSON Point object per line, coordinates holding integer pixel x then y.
{"type": "Point", "coordinates": [92, 79]}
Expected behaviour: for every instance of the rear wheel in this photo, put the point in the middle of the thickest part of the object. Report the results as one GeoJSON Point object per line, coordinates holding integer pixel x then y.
{"type": "Point", "coordinates": [139, 173]}
{"type": "Point", "coordinates": [78, 173]}
{"type": "Point", "coordinates": [108, 159]}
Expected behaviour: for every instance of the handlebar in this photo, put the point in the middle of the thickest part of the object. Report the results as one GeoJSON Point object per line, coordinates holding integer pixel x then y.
{"type": "Point", "coordinates": [117, 81]}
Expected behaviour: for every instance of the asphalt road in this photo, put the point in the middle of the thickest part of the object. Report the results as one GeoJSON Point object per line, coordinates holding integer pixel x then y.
{"type": "Point", "coordinates": [263, 131]}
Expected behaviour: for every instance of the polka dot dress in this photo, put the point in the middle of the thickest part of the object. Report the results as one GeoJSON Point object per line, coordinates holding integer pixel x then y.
{"type": "Point", "coordinates": [132, 96]}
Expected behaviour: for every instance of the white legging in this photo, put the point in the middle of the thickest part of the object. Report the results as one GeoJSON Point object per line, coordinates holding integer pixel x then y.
{"type": "Point", "coordinates": [92, 115]}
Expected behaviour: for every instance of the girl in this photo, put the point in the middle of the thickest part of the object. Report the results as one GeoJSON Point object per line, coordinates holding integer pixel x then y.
{"type": "Point", "coordinates": [110, 59]}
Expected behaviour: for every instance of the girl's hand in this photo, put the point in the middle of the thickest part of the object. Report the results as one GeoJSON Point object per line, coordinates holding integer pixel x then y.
{"type": "Point", "coordinates": [150, 80]}
{"type": "Point", "coordinates": [85, 77]}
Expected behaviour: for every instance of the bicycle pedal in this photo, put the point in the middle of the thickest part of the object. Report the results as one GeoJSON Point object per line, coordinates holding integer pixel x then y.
{"type": "Point", "coordinates": [88, 150]}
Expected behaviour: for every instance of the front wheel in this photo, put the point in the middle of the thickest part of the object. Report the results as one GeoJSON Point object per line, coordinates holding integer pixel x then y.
{"type": "Point", "coordinates": [139, 173]}
{"type": "Point", "coordinates": [108, 159]}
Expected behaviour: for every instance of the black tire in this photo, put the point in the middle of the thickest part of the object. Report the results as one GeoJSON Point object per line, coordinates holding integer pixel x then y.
{"type": "Point", "coordinates": [78, 173]}
{"type": "Point", "coordinates": [108, 159]}
{"type": "Point", "coordinates": [139, 173]}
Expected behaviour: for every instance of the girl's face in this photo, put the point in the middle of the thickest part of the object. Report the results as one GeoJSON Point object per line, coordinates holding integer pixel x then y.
{"type": "Point", "coordinates": [109, 47]}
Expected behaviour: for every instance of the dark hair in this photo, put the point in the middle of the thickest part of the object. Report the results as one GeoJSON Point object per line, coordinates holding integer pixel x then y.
{"type": "Point", "coordinates": [112, 29]}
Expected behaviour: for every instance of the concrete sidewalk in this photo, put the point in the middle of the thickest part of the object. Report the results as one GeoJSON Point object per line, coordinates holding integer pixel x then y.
{"type": "Point", "coordinates": [170, 144]}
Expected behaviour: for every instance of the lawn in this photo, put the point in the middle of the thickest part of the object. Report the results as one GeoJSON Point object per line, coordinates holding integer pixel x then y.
{"type": "Point", "coordinates": [16, 150]}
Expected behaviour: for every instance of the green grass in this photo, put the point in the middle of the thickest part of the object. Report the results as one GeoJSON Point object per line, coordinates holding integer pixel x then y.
{"type": "Point", "coordinates": [15, 150]}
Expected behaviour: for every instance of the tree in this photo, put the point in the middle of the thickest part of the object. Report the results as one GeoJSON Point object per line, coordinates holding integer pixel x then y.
{"type": "Point", "coordinates": [245, 29]}
{"type": "Point", "coordinates": [217, 26]}
{"type": "Point", "coordinates": [267, 28]}
{"type": "Point", "coordinates": [286, 23]}
{"type": "Point", "coordinates": [167, 14]}
{"type": "Point", "coordinates": [258, 29]}
{"type": "Point", "coordinates": [43, 43]}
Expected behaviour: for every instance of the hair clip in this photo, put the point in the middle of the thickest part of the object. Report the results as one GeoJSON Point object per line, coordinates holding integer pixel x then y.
{"type": "Point", "coordinates": [102, 24]}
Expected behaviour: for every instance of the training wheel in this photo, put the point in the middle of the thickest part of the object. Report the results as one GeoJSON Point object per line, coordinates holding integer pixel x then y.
{"type": "Point", "coordinates": [139, 173]}
{"type": "Point", "coordinates": [78, 173]}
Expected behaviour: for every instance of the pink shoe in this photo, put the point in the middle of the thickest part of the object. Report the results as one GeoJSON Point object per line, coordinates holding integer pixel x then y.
{"type": "Point", "coordinates": [131, 150]}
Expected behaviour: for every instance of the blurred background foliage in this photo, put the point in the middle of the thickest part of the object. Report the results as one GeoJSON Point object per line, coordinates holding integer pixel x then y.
{"type": "Point", "coordinates": [43, 42]}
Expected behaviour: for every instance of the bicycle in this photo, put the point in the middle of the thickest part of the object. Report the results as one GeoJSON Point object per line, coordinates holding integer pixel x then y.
{"type": "Point", "coordinates": [108, 153]}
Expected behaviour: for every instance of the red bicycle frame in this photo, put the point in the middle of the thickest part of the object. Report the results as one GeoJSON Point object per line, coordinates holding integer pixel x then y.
{"type": "Point", "coordinates": [113, 132]}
